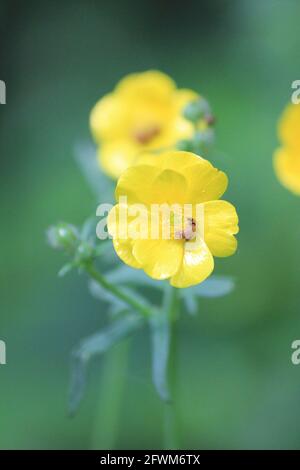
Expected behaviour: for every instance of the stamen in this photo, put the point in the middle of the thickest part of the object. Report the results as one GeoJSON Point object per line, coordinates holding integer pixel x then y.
{"type": "Point", "coordinates": [189, 231]}
{"type": "Point", "coordinates": [144, 136]}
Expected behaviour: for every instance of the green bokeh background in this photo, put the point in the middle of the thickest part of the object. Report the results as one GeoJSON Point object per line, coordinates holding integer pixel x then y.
{"type": "Point", "coordinates": [237, 386]}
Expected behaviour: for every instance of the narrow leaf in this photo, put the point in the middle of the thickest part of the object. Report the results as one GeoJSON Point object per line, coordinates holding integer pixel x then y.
{"type": "Point", "coordinates": [65, 269]}
{"type": "Point", "coordinates": [215, 286]}
{"type": "Point", "coordinates": [160, 336]}
{"type": "Point", "coordinates": [95, 345]}
{"type": "Point", "coordinates": [115, 304]}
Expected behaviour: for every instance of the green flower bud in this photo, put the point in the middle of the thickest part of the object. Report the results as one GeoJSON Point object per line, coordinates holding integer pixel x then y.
{"type": "Point", "coordinates": [85, 252]}
{"type": "Point", "coordinates": [202, 140]}
{"type": "Point", "coordinates": [204, 137]}
{"type": "Point", "coordinates": [62, 236]}
{"type": "Point", "coordinates": [196, 110]}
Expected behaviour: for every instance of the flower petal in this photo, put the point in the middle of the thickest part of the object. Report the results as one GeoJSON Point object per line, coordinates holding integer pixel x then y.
{"type": "Point", "coordinates": [108, 118]}
{"type": "Point", "coordinates": [123, 249]}
{"type": "Point", "coordinates": [176, 160]}
{"type": "Point", "coordinates": [123, 246]}
{"type": "Point", "coordinates": [287, 168]}
{"type": "Point", "coordinates": [152, 84]}
{"type": "Point", "coordinates": [220, 226]}
{"type": "Point", "coordinates": [160, 259]}
{"type": "Point", "coordinates": [289, 127]}
{"type": "Point", "coordinates": [197, 264]}
{"type": "Point", "coordinates": [169, 187]}
{"type": "Point", "coordinates": [116, 156]}
{"type": "Point", "coordinates": [136, 184]}
{"type": "Point", "coordinates": [206, 183]}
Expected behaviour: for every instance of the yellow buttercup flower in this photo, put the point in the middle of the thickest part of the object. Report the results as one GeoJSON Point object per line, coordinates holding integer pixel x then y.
{"type": "Point", "coordinates": [144, 112]}
{"type": "Point", "coordinates": [174, 179]}
{"type": "Point", "coordinates": [287, 157]}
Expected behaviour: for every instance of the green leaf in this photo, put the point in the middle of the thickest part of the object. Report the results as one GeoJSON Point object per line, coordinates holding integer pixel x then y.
{"type": "Point", "coordinates": [95, 345]}
{"type": "Point", "coordinates": [160, 338]}
{"type": "Point", "coordinates": [65, 269]}
{"type": "Point", "coordinates": [215, 286]}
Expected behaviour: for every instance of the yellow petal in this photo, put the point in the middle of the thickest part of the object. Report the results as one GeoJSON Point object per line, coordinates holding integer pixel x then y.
{"type": "Point", "coordinates": [287, 168]}
{"type": "Point", "coordinates": [160, 259]}
{"type": "Point", "coordinates": [289, 127]}
{"type": "Point", "coordinates": [116, 156]}
{"type": "Point", "coordinates": [122, 244]}
{"type": "Point", "coordinates": [220, 226]}
{"type": "Point", "coordinates": [128, 222]}
{"type": "Point", "coordinates": [169, 187]}
{"type": "Point", "coordinates": [197, 264]}
{"type": "Point", "coordinates": [152, 84]}
{"type": "Point", "coordinates": [136, 184]}
{"type": "Point", "coordinates": [206, 183]}
{"type": "Point", "coordinates": [107, 118]}
{"type": "Point", "coordinates": [123, 249]}
{"type": "Point", "coordinates": [176, 160]}
{"type": "Point", "coordinates": [114, 219]}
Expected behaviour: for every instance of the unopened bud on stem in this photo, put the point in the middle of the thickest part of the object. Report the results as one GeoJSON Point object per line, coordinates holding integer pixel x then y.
{"type": "Point", "coordinates": [62, 236]}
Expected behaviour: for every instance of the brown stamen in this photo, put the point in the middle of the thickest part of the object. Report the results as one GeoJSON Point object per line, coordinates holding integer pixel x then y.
{"type": "Point", "coordinates": [144, 136]}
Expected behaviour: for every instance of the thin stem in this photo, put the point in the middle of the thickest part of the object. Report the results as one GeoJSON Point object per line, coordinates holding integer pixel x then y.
{"type": "Point", "coordinates": [170, 418]}
{"type": "Point", "coordinates": [107, 417]}
{"type": "Point", "coordinates": [130, 301]}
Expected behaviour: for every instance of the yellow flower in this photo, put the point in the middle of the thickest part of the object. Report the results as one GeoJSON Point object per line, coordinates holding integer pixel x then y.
{"type": "Point", "coordinates": [180, 179]}
{"type": "Point", "coordinates": [287, 157]}
{"type": "Point", "coordinates": [144, 112]}
{"type": "Point", "coordinates": [287, 168]}
{"type": "Point", "coordinates": [289, 127]}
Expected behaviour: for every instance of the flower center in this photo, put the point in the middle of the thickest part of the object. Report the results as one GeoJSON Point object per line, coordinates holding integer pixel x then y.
{"type": "Point", "coordinates": [188, 232]}
{"type": "Point", "coordinates": [145, 135]}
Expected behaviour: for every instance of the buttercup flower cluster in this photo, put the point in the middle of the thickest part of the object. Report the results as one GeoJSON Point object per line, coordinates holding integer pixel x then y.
{"type": "Point", "coordinates": [168, 221]}
{"type": "Point", "coordinates": [138, 128]}
{"type": "Point", "coordinates": [287, 156]}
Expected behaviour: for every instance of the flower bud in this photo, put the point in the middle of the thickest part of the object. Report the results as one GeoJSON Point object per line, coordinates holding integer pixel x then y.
{"type": "Point", "coordinates": [84, 252]}
{"type": "Point", "coordinates": [196, 110]}
{"type": "Point", "coordinates": [62, 236]}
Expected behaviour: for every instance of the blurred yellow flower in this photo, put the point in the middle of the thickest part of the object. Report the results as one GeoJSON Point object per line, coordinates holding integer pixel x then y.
{"type": "Point", "coordinates": [174, 179]}
{"type": "Point", "coordinates": [287, 157]}
{"type": "Point", "coordinates": [144, 112]}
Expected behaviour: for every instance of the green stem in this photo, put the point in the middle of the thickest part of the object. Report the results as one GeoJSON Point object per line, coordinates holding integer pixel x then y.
{"type": "Point", "coordinates": [107, 417]}
{"type": "Point", "coordinates": [130, 301]}
{"type": "Point", "coordinates": [170, 415]}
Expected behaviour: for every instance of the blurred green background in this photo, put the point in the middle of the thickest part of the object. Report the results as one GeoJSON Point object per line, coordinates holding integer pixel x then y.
{"type": "Point", "coordinates": [237, 386]}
